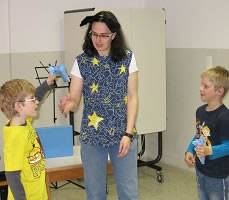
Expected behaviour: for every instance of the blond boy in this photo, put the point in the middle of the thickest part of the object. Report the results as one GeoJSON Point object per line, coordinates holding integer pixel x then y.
{"type": "Point", "coordinates": [23, 156]}
{"type": "Point", "coordinates": [212, 123]}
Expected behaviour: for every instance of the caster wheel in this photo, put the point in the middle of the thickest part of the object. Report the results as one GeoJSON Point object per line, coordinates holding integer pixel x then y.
{"type": "Point", "coordinates": [160, 177]}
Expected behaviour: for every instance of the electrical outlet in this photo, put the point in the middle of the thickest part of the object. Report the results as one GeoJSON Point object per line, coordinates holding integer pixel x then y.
{"type": "Point", "coordinates": [208, 61]}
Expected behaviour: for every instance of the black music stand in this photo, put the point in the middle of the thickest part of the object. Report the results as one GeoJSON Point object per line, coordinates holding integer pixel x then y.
{"type": "Point", "coordinates": [71, 114]}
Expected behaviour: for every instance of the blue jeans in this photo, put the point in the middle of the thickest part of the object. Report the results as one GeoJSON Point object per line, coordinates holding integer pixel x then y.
{"type": "Point", "coordinates": [94, 161]}
{"type": "Point", "coordinates": [212, 188]}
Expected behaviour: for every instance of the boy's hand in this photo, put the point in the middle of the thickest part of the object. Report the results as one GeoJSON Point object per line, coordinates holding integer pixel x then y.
{"type": "Point", "coordinates": [189, 159]}
{"type": "Point", "coordinates": [51, 79]}
{"type": "Point", "coordinates": [59, 69]}
{"type": "Point", "coordinates": [202, 151]}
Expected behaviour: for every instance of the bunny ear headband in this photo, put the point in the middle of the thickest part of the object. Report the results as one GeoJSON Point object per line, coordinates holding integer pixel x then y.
{"type": "Point", "coordinates": [113, 26]}
{"type": "Point", "coordinates": [86, 20]}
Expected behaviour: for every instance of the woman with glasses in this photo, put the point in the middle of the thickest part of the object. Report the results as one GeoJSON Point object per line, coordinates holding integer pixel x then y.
{"type": "Point", "coordinates": [106, 74]}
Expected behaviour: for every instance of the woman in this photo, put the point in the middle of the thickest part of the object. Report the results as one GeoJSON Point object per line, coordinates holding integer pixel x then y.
{"type": "Point", "coordinates": [106, 74]}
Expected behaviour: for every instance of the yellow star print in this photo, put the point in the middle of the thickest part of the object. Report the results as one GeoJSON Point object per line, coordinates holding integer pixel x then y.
{"type": "Point", "coordinates": [95, 61]}
{"type": "Point", "coordinates": [94, 120]}
{"type": "Point", "coordinates": [94, 88]}
{"type": "Point", "coordinates": [122, 69]}
{"type": "Point", "coordinates": [125, 99]}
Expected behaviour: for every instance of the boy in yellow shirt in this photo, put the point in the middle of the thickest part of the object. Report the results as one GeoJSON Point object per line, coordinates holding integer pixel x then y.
{"type": "Point", "coordinates": [23, 154]}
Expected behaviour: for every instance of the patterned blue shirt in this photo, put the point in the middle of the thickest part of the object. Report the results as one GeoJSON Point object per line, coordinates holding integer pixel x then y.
{"type": "Point", "coordinates": [105, 99]}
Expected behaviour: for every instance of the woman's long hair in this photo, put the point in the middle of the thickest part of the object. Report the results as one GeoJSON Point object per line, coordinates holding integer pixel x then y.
{"type": "Point", "coordinates": [118, 44]}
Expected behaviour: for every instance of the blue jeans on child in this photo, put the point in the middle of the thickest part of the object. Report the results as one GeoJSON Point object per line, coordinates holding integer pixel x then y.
{"type": "Point", "coordinates": [211, 188]}
{"type": "Point", "coordinates": [94, 161]}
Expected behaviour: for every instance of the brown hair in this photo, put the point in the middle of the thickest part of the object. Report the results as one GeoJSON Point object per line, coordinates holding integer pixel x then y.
{"type": "Point", "coordinates": [14, 91]}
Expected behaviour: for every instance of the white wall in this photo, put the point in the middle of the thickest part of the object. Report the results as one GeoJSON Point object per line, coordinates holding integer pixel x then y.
{"type": "Point", "coordinates": [39, 25]}
{"type": "Point", "coordinates": [195, 24]}
{"type": "Point", "coordinates": [4, 21]}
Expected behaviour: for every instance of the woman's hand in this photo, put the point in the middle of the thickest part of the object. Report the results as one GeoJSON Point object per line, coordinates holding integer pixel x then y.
{"type": "Point", "coordinates": [66, 104]}
{"type": "Point", "coordinates": [124, 146]}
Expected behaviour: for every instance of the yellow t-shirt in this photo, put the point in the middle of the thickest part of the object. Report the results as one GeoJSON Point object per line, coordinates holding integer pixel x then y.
{"type": "Point", "coordinates": [23, 151]}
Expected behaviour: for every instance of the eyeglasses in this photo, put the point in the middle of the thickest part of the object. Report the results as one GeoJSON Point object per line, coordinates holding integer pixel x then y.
{"type": "Point", "coordinates": [31, 99]}
{"type": "Point", "coordinates": [102, 36]}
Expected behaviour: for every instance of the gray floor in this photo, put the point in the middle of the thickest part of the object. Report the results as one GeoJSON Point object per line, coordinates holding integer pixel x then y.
{"type": "Point", "coordinates": [178, 184]}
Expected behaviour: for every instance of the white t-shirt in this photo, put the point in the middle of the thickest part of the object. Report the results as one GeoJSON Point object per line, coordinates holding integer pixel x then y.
{"type": "Point", "coordinates": [76, 71]}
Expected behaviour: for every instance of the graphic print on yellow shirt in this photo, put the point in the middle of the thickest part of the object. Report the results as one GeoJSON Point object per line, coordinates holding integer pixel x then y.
{"type": "Point", "coordinates": [36, 154]}
{"type": "Point", "coordinates": [23, 151]}
{"type": "Point", "coordinates": [204, 131]}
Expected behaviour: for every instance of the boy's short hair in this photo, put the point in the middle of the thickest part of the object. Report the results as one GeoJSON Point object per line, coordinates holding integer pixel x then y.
{"type": "Point", "coordinates": [13, 91]}
{"type": "Point", "coordinates": [219, 76]}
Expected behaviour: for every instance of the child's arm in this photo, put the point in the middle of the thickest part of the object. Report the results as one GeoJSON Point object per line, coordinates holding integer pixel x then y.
{"type": "Point", "coordinates": [202, 151]}
{"type": "Point", "coordinates": [45, 87]}
{"type": "Point", "coordinates": [189, 154]}
{"type": "Point", "coordinates": [51, 79]}
{"type": "Point", "coordinates": [219, 151]}
{"type": "Point", "coordinates": [191, 146]}
{"type": "Point", "coordinates": [213, 152]}
{"type": "Point", "coordinates": [14, 182]}
{"type": "Point", "coordinates": [222, 149]}
{"type": "Point", "coordinates": [189, 159]}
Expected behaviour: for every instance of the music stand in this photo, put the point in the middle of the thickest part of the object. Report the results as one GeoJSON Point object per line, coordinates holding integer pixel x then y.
{"type": "Point", "coordinates": [39, 78]}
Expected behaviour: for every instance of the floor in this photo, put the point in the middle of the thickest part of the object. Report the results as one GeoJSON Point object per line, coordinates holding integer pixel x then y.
{"type": "Point", "coordinates": [177, 184]}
